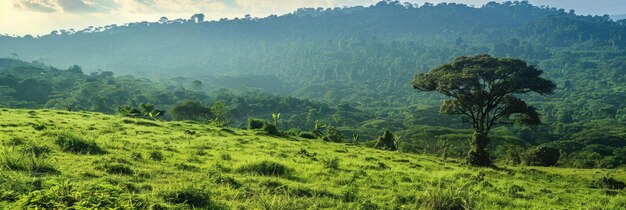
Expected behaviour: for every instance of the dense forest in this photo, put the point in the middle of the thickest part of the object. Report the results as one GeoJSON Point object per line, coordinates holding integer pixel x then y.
{"type": "Point", "coordinates": [344, 70]}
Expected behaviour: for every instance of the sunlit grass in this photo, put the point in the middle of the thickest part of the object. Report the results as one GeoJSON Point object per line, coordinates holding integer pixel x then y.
{"type": "Point", "coordinates": [165, 165]}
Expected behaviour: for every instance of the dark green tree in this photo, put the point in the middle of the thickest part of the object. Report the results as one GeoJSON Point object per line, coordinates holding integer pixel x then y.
{"type": "Point", "coordinates": [483, 89]}
{"type": "Point", "coordinates": [191, 110]}
{"type": "Point", "coordinates": [387, 141]}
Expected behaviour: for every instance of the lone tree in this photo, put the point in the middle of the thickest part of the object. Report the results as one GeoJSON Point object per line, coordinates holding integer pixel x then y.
{"type": "Point", "coordinates": [483, 89]}
{"type": "Point", "coordinates": [387, 141]}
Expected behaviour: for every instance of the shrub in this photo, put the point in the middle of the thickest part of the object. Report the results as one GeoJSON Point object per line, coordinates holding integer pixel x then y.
{"type": "Point", "coordinates": [255, 123]}
{"type": "Point", "coordinates": [307, 135]}
{"type": "Point", "coordinates": [387, 141]}
{"type": "Point", "coordinates": [271, 130]}
{"type": "Point", "coordinates": [73, 143]}
{"type": "Point", "coordinates": [156, 155]}
{"type": "Point", "coordinates": [542, 156]}
{"type": "Point", "coordinates": [194, 196]}
{"type": "Point", "coordinates": [609, 183]}
{"type": "Point", "coordinates": [265, 168]}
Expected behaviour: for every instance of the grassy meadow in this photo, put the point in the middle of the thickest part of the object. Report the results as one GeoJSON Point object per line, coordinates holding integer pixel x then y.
{"type": "Point", "coordinates": [54, 159]}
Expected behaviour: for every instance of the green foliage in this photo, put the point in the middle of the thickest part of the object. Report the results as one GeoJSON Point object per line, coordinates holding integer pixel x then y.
{"type": "Point", "coordinates": [307, 135]}
{"type": "Point", "coordinates": [321, 175]}
{"type": "Point", "coordinates": [190, 110]}
{"type": "Point", "coordinates": [70, 142]}
{"type": "Point", "coordinates": [333, 135]}
{"type": "Point", "coordinates": [483, 91]}
{"type": "Point", "coordinates": [542, 156]}
{"type": "Point", "coordinates": [271, 129]}
{"type": "Point", "coordinates": [255, 123]}
{"type": "Point", "coordinates": [266, 168]}
{"type": "Point", "coordinates": [387, 141]}
{"type": "Point", "coordinates": [609, 183]}
{"type": "Point", "coordinates": [275, 119]}
{"type": "Point", "coordinates": [220, 114]}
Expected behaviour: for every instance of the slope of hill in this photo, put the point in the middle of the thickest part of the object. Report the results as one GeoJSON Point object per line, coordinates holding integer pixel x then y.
{"type": "Point", "coordinates": [58, 159]}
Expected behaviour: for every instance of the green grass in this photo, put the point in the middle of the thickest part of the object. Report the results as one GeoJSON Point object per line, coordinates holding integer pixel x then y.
{"type": "Point", "coordinates": [92, 160]}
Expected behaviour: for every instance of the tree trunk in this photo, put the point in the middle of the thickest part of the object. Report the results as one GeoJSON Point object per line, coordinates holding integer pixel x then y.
{"type": "Point", "coordinates": [478, 156]}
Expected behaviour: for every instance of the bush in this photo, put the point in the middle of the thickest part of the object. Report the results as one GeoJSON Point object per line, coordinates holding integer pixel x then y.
{"type": "Point", "coordinates": [271, 130]}
{"type": "Point", "coordinates": [265, 168]}
{"type": "Point", "coordinates": [307, 135]}
{"type": "Point", "coordinates": [609, 183]}
{"type": "Point", "coordinates": [196, 197]}
{"type": "Point", "coordinates": [542, 156]}
{"type": "Point", "coordinates": [387, 141]}
{"type": "Point", "coordinates": [255, 123]}
{"type": "Point", "coordinates": [73, 143]}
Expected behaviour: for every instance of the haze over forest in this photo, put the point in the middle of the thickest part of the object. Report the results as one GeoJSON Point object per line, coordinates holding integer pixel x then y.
{"type": "Point", "coordinates": [539, 92]}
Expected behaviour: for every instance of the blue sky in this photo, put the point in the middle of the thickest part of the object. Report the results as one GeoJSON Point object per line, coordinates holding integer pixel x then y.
{"type": "Point", "coordinates": [37, 17]}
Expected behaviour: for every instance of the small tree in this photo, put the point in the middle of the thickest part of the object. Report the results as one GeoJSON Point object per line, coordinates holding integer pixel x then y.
{"type": "Point", "coordinates": [483, 90]}
{"type": "Point", "coordinates": [387, 141]}
{"type": "Point", "coordinates": [190, 110]}
{"type": "Point", "coordinates": [220, 114]}
{"type": "Point", "coordinates": [150, 112]}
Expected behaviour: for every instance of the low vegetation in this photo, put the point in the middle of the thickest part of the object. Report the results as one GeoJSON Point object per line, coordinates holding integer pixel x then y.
{"type": "Point", "coordinates": [164, 167]}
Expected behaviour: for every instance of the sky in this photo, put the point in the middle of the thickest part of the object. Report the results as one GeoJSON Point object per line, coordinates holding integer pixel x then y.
{"type": "Point", "coordinates": [38, 17]}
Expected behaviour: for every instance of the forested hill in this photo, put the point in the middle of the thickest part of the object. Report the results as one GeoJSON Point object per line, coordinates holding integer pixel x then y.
{"type": "Point", "coordinates": [389, 39]}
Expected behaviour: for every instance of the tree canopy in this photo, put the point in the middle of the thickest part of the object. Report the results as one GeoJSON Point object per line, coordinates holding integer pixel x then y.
{"type": "Point", "coordinates": [483, 89]}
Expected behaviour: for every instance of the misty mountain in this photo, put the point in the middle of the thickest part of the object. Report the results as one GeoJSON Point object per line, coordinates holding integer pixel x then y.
{"type": "Point", "coordinates": [364, 56]}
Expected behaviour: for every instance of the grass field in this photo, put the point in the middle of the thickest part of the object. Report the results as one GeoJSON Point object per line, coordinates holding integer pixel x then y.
{"type": "Point", "coordinates": [57, 159]}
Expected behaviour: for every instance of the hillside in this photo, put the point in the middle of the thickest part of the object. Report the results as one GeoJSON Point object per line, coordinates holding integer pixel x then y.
{"type": "Point", "coordinates": [58, 159]}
